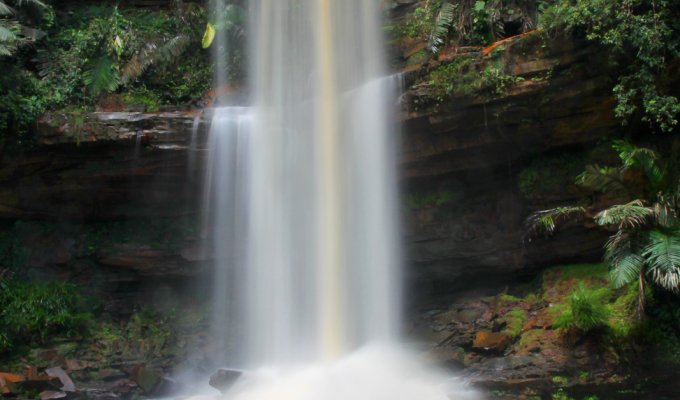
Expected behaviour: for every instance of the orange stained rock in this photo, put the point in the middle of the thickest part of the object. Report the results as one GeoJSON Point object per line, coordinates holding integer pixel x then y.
{"type": "Point", "coordinates": [487, 50]}
{"type": "Point", "coordinates": [12, 378]}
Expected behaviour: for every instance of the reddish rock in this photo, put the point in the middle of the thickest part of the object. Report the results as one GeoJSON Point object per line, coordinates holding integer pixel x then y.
{"type": "Point", "coordinates": [487, 340]}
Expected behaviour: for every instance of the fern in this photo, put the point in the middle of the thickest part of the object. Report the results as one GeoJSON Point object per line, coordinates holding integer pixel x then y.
{"type": "Point", "coordinates": [154, 54]}
{"type": "Point", "coordinates": [102, 76]}
{"type": "Point", "coordinates": [441, 26]}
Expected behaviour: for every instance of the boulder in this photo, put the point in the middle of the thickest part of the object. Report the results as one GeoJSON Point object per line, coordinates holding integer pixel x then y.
{"type": "Point", "coordinates": [66, 382]}
{"type": "Point", "coordinates": [486, 340]}
{"type": "Point", "coordinates": [223, 379]}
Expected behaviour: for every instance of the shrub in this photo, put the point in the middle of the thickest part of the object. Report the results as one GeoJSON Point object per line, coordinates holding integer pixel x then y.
{"type": "Point", "coordinates": [32, 312]}
{"type": "Point", "coordinates": [584, 312]}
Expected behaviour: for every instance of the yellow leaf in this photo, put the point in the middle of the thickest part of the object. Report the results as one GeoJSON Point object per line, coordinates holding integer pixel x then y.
{"type": "Point", "coordinates": [208, 36]}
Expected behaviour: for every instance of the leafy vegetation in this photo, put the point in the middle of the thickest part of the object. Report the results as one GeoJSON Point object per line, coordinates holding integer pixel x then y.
{"type": "Point", "coordinates": [585, 310]}
{"type": "Point", "coordinates": [87, 55]}
{"type": "Point", "coordinates": [467, 22]}
{"type": "Point", "coordinates": [33, 311]}
{"type": "Point", "coordinates": [12, 33]}
{"type": "Point", "coordinates": [642, 38]}
{"type": "Point", "coordinates": [464, 76]}
{"type": "Point", "coordinates": [646, 245]}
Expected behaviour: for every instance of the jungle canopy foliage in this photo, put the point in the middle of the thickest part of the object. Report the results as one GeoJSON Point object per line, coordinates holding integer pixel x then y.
{"type": "Point", "coordinates": [84, 52]}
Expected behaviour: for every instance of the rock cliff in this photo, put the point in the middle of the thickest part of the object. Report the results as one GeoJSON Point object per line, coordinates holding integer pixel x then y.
{"type": "Point", "coordinates": [464, 163]}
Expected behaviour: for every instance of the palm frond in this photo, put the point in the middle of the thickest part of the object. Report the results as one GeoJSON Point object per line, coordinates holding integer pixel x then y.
{"type": "Point", "coordinates": [664, 214]}
{"type": "Point", "coordinates": [5, 9]}
{"type": "Point", "coordinates": [630, 215]}
{"type": "Point", "coordinates": [643, 158]}
{"type": "Point", "coordinates": [625, 264]}
{"type": "Point", "coordinates": [546, 221]}
{"type": "Point", "coordinates": [441, 26]}
{"type": "Point", "coordinates": [662, 255]}
{"type": "Point", "coordinates": [154, 54]}
{"type": "Point", "coordinates": [31, 2]}
{"type": "Point", "coordinates": [603, 179]}
{"type": "Point", "coordinates": [8, 31]}
{"type": "Point", "coordinates": [102, 76]}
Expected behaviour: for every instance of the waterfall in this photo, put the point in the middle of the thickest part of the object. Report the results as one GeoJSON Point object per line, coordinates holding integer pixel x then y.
{"type": "Point", "coordinates": [302, 208]}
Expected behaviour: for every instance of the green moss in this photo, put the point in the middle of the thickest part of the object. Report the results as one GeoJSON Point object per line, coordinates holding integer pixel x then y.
{"type": "Point", "coordinates": [589, 272]}
{"type": "Point", "coordinates": [624, 320]}
{"type": "Point", "coordinates": [509, 298]}
{"type": "Point", "coordinates": [514, 321]}
{"type": "Point", "coordinates": [530, 338]}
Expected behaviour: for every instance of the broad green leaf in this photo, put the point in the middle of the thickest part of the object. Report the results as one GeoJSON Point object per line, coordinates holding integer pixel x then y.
{"type": "Point", "coordinates": [208, 36]}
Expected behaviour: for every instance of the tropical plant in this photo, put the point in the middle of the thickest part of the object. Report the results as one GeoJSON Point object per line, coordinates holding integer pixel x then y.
{"type": "Point", "coordinates": [642, 38]}
{"type": "Point", "coordinates": [646, 244]}
{"type": "Point", "coordinates": [470, 22]}
{"type": "Point", "coordinates": [107, 48]}
{"type": "Point", "coordinates": [12, 32]}
{"type": "Point", "coordinates": [584, 312]}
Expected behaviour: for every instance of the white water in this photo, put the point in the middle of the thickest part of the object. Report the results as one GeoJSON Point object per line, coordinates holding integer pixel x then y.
{"type": "Point", "coordinates": [302, 202]}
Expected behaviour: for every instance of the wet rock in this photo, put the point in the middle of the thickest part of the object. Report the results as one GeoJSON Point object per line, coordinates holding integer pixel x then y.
{"type": "Point", "coordinates": [486, 340]}
{"type": "Point", "coordinates": [145, 378]}
{"type": "Point", "coordinates": [153, 383]}
{"type": "Point", "coordinates": [67, 383]}
{"type": "Point", "coordinates": [76, 365]}
{"type": "Point", "coordinates": [52, 395]}
{"type": "Point", "coordinates": [223, 379]}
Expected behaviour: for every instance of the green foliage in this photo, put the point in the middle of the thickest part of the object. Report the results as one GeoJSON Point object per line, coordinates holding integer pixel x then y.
{"type": "Point", "coordinates": [12, 33]}
{"type": "Point", "coordinates": [146, 334]}
{"type": "Point", "coordinates": [546, 221]}
{"type": "Point", "coordinates": [88, 50]}
{"type": "Point", "coordinates": [417, 201]}
{"type": "Point", "coordinates": [585, 311]}
{"type": "Point", "coordinates": [23, 98]}
{"type": "Point", "coordinates": [103, 48]}
{"type": "Point", "coordinates": [33, 312]}
{"type": "Point", "coordinates": [441, 26]}
{"type": "Point", "coordinates": [142, 97]}
{"type": "Point", "coordinates": [464, 77]}
{"type": "Point", "coordinates": [467, 22]}
{"type": "Point", "coordinates": [646, 244]}
{"type": "Point", "coordinates": [642, 38]}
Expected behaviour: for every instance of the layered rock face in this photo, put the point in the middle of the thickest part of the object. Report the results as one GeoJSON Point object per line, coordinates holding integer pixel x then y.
{"type": "Point", "coordinates": [462, 162]}
{"type": "Point", "coordinates": [476, 154]}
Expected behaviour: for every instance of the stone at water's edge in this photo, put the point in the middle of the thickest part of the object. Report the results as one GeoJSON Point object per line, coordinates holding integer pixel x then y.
{"type": "Point", "coordinates": [223, 379]}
